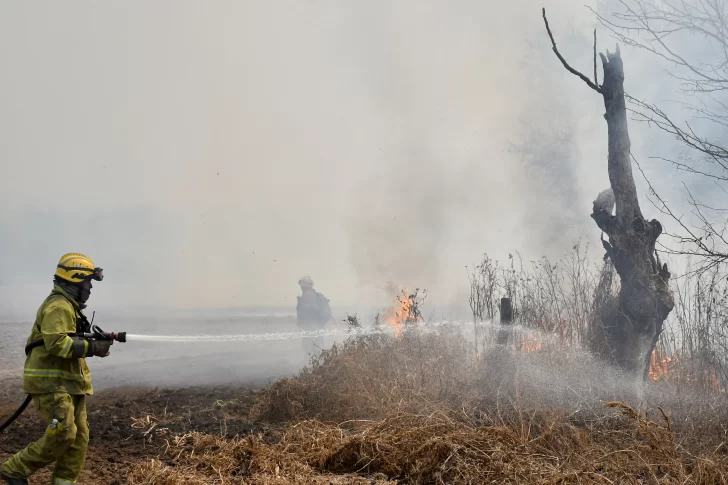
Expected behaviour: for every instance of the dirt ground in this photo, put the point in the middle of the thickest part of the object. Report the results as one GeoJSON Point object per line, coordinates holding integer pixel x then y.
{"type": "Point", "coordinates": [120, 433]}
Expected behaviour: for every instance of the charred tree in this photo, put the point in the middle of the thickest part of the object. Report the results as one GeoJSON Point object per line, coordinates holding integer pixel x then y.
{"type": "Point", "coordinates": [631, 327]}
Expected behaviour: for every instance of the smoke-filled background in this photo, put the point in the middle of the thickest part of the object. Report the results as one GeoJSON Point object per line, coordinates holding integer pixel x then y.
{"type": "Point", "coordinates": [208, 155]}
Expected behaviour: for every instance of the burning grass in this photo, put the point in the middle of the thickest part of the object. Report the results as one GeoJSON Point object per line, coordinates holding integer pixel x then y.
{"type": "Point", "coordinates": [569, 298]}
{"type": "Point", "coordinates": [406, 311]}
{"type": "Point", "coordinates": [423, 409]}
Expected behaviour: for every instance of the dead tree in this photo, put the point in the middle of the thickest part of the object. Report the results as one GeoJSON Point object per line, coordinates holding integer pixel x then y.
{"type": "Point", "coordinates": [632, 329]}
{"type": "Point", "coordinates": [692, 36]}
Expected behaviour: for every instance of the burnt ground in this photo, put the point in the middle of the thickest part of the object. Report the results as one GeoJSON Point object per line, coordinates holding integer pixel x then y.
{"type": "Point", "coordinates": [124, 427]}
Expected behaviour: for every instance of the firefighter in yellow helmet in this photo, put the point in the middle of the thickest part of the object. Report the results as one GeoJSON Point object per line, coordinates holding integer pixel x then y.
{"type": "Point", "coordinates": [57, 378]}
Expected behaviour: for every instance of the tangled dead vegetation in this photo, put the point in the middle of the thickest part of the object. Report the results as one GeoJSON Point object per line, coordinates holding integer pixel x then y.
{"type": "Point", "coordinates": [439, 449]}
{"type": "Point", "coordinates": [370, 377]}
{"type": "Point", "coordinates": [423, 410]}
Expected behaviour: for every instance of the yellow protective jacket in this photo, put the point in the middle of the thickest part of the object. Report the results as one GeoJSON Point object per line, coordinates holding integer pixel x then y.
{"type": "Point", "coordinates": [51, 368]}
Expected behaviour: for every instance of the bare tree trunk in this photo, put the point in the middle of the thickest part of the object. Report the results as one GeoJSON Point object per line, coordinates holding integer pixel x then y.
{"type": "Point", "coordinates": [645, 300]}
{"type": "Point", "coordinates": [631, 328]}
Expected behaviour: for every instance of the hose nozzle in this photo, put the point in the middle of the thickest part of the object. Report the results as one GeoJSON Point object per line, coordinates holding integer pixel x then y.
{"type": "Point", "coordinates": [118, 336]}
{"type": "Point", "coordinates": [101, 335]}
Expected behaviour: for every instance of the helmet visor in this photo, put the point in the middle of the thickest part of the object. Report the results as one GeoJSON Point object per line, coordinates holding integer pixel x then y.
{"type": "Point", "coordinates": [98, 274]}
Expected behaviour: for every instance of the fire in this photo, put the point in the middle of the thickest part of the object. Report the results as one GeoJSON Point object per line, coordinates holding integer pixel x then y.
{"type": "Point", "coordinates": [530, 345]}
{"type": "Point", "coordinates": [714, 382]}
{"type": "Point", "coordinates": [403, 312]}
{"type": "Point", "coordinates": [659, 368]}
{"type": "Point", "coordinates": [670, 368]}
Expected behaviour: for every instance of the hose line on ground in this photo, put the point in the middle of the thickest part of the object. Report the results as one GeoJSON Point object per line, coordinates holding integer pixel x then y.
{"type": "Point", "coordinates": [17, 413]}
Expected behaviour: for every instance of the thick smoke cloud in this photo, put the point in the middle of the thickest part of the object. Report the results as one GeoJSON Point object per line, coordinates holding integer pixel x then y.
{"type": "Point", "coordinates": [211, 154]}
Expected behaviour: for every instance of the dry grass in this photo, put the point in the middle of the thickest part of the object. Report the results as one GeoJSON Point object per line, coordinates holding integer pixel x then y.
{"type": "Point", "coordinates": [423, 410]}
{"type": "Point", "coordinates": [440, 449]}
{"type": "Point", "coordinates": [569, 298]}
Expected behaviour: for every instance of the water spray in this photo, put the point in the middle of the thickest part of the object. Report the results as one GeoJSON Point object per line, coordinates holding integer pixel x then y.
{"type": "Point", "coordinates": [259, 337]}
{"type": "Point", "coordinates": [425, 327]}
{"type": "Point", "coordinates": [96, 333]}
{"type": "Point", "coordinates": [252, 337]}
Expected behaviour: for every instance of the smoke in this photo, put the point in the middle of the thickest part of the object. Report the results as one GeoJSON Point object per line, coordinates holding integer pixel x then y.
{"type": "Point", "coordinates": [479, 154]}
{"type": "Point", "coordinates": [209, 155]}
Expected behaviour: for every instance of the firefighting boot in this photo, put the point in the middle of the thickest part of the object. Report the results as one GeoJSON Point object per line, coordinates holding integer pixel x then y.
{"type": "Point", "coordinates": [13, 481]}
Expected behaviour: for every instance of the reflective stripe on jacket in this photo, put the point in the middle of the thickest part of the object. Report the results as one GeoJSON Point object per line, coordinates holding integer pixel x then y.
{"type": "Point", "coordinates": [50, 367]}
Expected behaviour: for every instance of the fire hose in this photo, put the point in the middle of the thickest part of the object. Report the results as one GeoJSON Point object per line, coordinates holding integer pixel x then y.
{"type": "Point", "coordinates": [95, 334]}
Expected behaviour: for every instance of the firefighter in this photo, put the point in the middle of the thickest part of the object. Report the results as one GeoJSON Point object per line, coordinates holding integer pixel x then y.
{"type": "Point", "coordinates": [312, 313]}
{"type": "Point", "coordinates": [57, 377]}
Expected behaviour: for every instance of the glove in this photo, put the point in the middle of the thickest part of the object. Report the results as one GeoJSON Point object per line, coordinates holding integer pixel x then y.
{"type": "Point", "coordinates": [98, 348]}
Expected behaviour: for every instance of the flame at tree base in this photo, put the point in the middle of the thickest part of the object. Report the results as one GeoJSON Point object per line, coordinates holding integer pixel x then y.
{"type": "Point", "coordinates": [670, 368]}
{"type": "Point", "coordinates": [660, 367]}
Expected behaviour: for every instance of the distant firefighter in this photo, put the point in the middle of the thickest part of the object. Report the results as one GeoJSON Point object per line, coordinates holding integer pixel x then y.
{"type": "Point", "coordinates": [312, 313]}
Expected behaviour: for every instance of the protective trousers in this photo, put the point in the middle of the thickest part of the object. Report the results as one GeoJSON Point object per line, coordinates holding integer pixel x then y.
{"type": "Point", "coordinates": [64, 441]}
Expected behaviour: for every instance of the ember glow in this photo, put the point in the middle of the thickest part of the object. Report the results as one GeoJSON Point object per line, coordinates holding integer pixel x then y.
{"type": "Point", "coordinates": [530, 344]}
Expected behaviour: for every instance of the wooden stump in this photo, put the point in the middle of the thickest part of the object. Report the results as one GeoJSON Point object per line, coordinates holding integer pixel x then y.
{"type": "Point", "coordinates": [506, 319]}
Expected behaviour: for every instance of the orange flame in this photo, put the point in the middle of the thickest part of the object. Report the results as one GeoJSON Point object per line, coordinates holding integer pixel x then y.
{"type": "Point", "coordinates": [665, 368]}
{"type": "Point", "coordinates": [530, 343]}
{"type": "Point", "coordinates": [714, 382]}
{"type": "Point", "coordinates": [399, 313]}
{"type": "Point", "coordinates": [659, 368]}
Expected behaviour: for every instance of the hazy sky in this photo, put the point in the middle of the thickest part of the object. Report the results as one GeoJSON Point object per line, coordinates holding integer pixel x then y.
{"type": "Point", "coordinates": [212, 153]}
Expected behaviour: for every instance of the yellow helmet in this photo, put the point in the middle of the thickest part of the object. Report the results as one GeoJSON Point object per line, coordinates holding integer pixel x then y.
{"type": "Point", "coordinates": [75, 267]}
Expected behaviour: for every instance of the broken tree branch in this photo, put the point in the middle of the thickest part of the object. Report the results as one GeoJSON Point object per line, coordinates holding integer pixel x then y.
{"type": "Point", "coordinates": [563, 61]}
{"type": "Point", "coordinates": [596, 80]}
